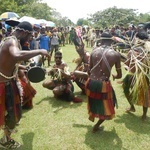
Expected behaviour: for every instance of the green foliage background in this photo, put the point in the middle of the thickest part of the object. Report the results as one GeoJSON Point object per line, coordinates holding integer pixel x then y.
{"type": "Point", "coordinates": [101, 19]}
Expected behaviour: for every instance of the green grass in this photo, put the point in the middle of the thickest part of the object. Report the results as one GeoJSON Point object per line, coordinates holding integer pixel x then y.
{"type": "Point", "coordinates": [57, 125]}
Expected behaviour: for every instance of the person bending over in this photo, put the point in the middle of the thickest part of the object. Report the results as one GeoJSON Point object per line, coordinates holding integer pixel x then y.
{"type": "Point", "coordinates": [10, 88]}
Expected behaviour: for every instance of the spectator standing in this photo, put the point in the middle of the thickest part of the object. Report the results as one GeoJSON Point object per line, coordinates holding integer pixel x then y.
{"type": "Point", "coordinates": [54, 41]}
{"type": "Point", "coordinates": [44, 43]}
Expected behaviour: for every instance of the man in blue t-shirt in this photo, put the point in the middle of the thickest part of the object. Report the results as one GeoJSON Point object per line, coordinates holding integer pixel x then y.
{"type": "Point", "coordinates": [44, 42]}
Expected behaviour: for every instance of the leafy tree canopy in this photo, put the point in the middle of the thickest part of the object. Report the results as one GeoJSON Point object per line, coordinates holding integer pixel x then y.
{"type": "Point", "coordinates": [106, 18]}
{"type": "Point", "coordinates": [117, 16]}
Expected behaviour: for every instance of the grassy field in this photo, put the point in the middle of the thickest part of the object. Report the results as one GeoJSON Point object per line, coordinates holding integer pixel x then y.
{"type": "Point", "coordinates": [57, 125]}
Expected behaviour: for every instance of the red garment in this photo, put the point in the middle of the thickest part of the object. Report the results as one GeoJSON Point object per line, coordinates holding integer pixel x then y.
{"type": "Point", "coordinates": [28, 91]}
{"type": "Point", "coordinates": [2, 103]}
{"type": "Point", "coordinates": [10, 102]}
{"type": "Point", "coordinates": [28, 94]}
{"type": "Point", "coordinates": [100, 99]}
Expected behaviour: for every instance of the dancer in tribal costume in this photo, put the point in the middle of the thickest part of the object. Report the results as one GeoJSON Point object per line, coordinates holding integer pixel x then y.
{"type": "Point", "coordinates": [82, 64]}
{"type": "Point", "coordinates": [101, 97]}
{"type": "Point", "coordinates": [136, 83]}
{"type": "Point", "coordinates": [10, 87]}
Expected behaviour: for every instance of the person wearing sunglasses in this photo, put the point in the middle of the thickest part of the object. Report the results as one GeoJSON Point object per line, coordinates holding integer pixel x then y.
{"type": "Point", "coordinates": [60, 82]}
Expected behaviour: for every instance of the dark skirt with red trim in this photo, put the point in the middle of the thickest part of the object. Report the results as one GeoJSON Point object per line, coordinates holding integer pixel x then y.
{"type": "Point", "coordinates": [28, 95]}
{"type": "Point", "coordinates": [101, 98]}
{"type": "Point", "coordinates": [10, 104]}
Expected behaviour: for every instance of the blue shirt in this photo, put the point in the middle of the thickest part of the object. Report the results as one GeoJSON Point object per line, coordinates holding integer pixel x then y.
{"type": "Point", "coordinates": [44, 42]}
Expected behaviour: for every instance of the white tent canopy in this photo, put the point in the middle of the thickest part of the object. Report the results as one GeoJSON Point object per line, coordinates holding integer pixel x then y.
{"type": "Point", "coordinates": [40, 22]}
{"type": "Point", "coordinates": [50, 24]}
{"type": "Point", "coordinates": [29, 19]}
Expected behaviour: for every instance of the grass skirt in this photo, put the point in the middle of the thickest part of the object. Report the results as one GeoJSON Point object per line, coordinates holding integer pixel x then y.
{"type": "Point", "coordinates": [137, 94]}
{"type": "Point", "coordinates": [100, 99]}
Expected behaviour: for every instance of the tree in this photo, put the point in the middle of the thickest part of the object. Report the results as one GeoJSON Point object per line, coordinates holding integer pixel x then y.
{"type": "Point", "coordinates": [33, 8]}
{"type": "Point", "coordinates": [41, 11]}
{"type": "Point", "coordinates": [82, 22]}
{"type": "Point", "coordinates": [8, 5]}
{"type": "Point", "coordinates": [144, 17]}
{"type": "Point", "coordinates": [114, 16]}
{"type": "Point", "coordinates": [36, 9]}
{"type": "Point", "coordinates": [61, 21]}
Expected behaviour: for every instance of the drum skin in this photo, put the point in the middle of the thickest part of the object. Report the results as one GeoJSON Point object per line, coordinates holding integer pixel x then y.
{"type": "Point", "coordinates": [36, 74]}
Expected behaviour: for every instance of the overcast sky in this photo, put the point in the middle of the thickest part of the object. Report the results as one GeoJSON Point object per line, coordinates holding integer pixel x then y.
{"type": "Point", "coordinates": [75, 9]}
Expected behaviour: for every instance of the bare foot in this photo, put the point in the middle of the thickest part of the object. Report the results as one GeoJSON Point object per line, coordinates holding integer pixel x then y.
{"type": "Point", "coordinates": [91, 118]}
{"type": "Point", "coordinates": [130, 109]}
{"type": "Point", "coordinates": [96, 128]}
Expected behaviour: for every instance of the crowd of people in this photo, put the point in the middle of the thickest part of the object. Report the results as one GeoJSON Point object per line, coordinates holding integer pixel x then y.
{"type": "Point", "coordinates": [24, 45]}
